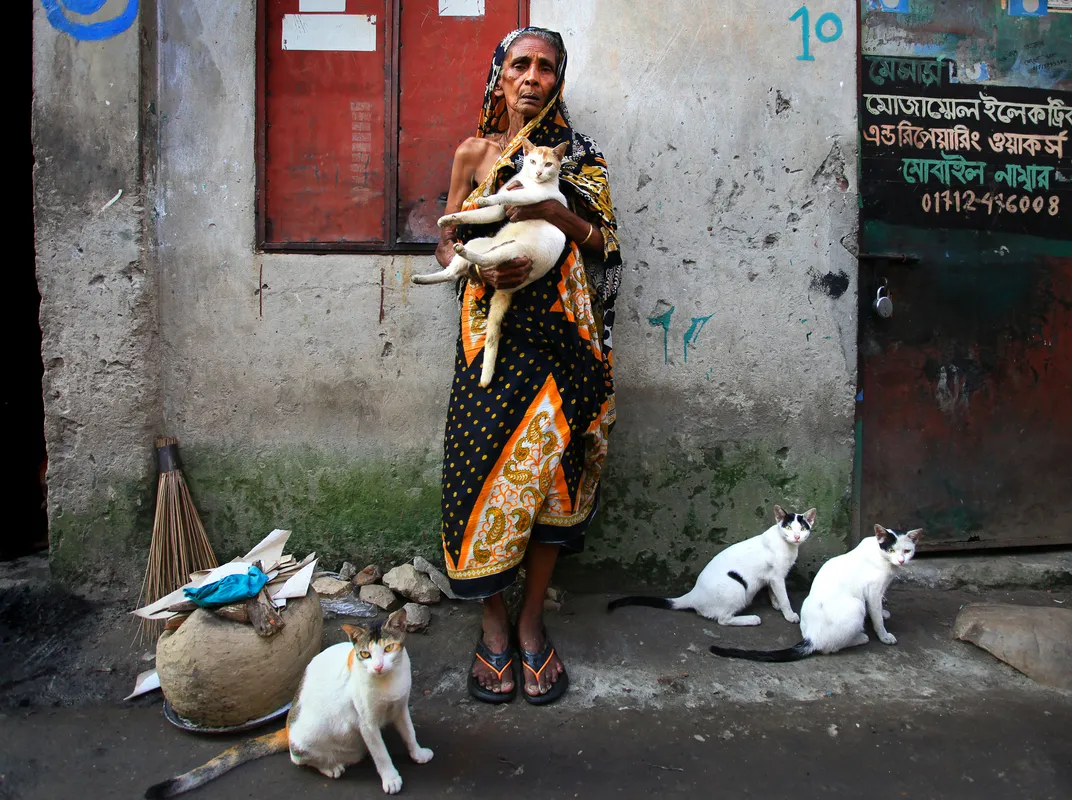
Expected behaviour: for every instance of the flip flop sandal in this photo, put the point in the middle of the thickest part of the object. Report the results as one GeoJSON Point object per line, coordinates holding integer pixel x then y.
{"type": "Point", "coordinates": [536, 663]}
{"type": "Point", "coordinates": [497, 663]}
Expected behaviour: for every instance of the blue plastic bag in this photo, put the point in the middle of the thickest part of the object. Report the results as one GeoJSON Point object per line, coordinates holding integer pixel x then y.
{"type": "Point", "coordinates": [227, 590]}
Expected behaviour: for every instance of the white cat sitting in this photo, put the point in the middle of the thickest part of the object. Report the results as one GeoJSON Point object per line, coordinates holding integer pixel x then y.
{"type": "Point", "coordinates": [537, 239]}
{"type": "Point", "coordinates": [845, 590]}
{"type": "Point", "coordinates": [732, 579]}
{"type": "Point", "coordinates": [347, 694]}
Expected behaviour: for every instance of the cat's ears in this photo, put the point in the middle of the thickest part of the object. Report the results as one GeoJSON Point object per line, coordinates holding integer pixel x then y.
{"type": "Point", "coordinates": [396, 622]}
{"type": "Point", "coordinates": [881, 534]}
{"type": "Point", "coordinates": [527, 146]}
{"type": "Point", "coordinates": [353, 632]}
{"type": "Point", "coordinates": [560, 151]}
{"type": "Point", "coordinates": [809, 515]}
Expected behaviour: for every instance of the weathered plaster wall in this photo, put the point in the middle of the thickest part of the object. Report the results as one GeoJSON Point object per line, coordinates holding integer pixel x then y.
{"type": "Point", "coordinates": [733, 171]}
{"type": "Point", "coordinates": [98, 314]}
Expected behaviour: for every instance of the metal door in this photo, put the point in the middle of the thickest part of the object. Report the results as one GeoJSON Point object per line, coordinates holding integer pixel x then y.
{"type": "Point", "coordinates": [965, 410]}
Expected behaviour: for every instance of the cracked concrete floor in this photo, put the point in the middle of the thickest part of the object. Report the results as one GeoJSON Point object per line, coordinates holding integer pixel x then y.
{"type": "Point", "coordinates": [650, 712]}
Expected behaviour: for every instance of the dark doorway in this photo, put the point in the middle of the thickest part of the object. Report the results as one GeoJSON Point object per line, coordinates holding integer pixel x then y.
{"type": "Point", "coordinates": [21, 405]}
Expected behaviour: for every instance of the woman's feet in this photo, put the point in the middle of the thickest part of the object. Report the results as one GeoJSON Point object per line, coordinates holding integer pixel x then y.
{"type": "Point", "coordinates": [492, 679]}
{"type": "Point", "coordinates": [545, 678]}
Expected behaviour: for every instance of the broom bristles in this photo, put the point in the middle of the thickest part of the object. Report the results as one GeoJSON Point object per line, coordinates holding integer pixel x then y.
{"type": "Point", "coordinates": [179, 545]}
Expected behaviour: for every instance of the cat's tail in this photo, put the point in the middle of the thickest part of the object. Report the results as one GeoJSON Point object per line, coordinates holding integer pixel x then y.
{"type": "Point", "coordinates": [651, 602]}
{"type": "Point", "coordinates": [795, 653]}
{"type": "Point", "coordinates": [249, 750]}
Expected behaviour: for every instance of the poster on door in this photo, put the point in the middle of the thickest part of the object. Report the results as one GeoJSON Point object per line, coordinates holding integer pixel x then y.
{"type": "Point", "coordinates": [937, 153]}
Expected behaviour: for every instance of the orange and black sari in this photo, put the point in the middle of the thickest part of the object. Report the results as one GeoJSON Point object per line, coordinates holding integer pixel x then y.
{"type": "Point", "coordinates": [522, 458]}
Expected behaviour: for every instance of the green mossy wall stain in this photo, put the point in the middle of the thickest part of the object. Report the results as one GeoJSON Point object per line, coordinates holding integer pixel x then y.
{"type": "Point", "coordinates": [362, 510]}
{"type": "Point", "coordinates": [655, 530]}
{"type": "Point", "coordinates": [658, 528]}
{"type": "Point", "coordinates": [108, 541]}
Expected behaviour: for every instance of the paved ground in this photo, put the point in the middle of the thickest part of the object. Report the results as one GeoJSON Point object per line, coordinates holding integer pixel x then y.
{"type": "Point", "coordinates": [651, 712]}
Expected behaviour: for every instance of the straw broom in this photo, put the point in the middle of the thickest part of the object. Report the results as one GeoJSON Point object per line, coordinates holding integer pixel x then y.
{"type": "Point", "coordinates": [179, 545]}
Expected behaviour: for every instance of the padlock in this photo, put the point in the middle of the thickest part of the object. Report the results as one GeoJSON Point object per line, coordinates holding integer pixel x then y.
{"type": "Point", "coordinates": [883, 305]}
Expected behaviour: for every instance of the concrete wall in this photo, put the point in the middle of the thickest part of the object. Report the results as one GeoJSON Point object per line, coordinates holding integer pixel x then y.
{"type": "Point", "coordinates": [733, 172]}
{"type": "Point", "coordinates": [98, 306]}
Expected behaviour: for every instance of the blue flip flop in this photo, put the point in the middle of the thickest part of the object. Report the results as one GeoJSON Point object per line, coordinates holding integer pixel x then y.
{"type": "Point", "coordinates": [497, 663]}
{"type": "Point", "coordinates": [536, 663]}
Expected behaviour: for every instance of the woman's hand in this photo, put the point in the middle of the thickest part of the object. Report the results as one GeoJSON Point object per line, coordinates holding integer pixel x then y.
{"type": "Point", "coordinates": [509, 274]}
{"type": "Point", "coordinates": [546, 210]}
{"type": "Point", "coordinates": [577, 229]}
{"type": "Point", "coordinates": [444, 252]}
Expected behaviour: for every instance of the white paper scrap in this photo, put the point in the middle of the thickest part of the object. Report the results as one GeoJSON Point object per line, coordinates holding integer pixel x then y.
{"type": "Point", "coordinates": [269, 550]}
{"type": "Point", "coordinates": [461, 8]}
{"type": "Point", "coordinates": [297, 585]}
{"type": "Point", "coordinates": [322, 5]}
{"type": "Point", "coordinates": [329, 32]}
{"type": "Point", "coordinates": [146, 682]}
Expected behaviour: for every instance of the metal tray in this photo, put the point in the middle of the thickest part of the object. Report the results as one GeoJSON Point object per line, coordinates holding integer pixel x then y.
{"type": "Point", "coordinates": [179, 721]}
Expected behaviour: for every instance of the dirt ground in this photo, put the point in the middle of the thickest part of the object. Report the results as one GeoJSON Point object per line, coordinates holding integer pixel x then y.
{"type": "Point", "coordinates": [650, 711]}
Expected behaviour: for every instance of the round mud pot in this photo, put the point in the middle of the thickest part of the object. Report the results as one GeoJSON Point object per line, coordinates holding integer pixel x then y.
{"type": "Point", "coordinates": [217, 674]}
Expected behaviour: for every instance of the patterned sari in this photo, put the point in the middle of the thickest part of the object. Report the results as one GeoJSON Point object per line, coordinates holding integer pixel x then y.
{"type": "Point", "coordinates": [522, 459]}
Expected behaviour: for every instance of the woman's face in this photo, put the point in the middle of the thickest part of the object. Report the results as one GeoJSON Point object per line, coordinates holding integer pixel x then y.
{"type": "Point", "coordinates": [528, 76]}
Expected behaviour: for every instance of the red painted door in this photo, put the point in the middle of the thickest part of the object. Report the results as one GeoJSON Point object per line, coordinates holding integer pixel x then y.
{"type": "Point", "coordinates": [965, 409]}
{"type": "Point", "coordinates": [444, 61]}
{"type": "Point", "coordinates": [362, 104]}
{"type": "Point", "coordinates": [325, 117]}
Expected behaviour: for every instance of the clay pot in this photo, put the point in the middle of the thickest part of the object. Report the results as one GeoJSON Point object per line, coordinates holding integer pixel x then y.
{"type": "Point", "coordinates": [217, 673]}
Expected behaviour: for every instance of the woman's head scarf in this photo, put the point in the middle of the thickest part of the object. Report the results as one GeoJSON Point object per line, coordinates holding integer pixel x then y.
{"type": "Point", "coordinates": [584, 169]}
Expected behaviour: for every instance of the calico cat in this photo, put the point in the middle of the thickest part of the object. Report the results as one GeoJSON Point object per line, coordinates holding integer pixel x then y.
{"type": "Point", "coordinates": [347, 694]}
{"type": "Point", "coordinates": [536, 238]}
{"type": "Point", "coordinates": [845, 588]}
{"type": "Point", "coordinates": [733, 577]}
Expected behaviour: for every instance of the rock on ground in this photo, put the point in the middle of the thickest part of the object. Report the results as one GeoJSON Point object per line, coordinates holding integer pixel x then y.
{"type": "Point", "coordinates": [326, 586]}
{"type": "Point", "coordinates": [417, 617]}
{"type": "Point", "coordinates": [422, 564]}
{"type": "Point", "coordinates": [369, 575]}
{"type": "Point", "coordinates": [412, 585]}
{"type": "Point", "coordinates": [379, 596]}
{"type": "Point", "coordinates": [347, 571]}
{"type": "Point", "coordinates": [1035, 640]}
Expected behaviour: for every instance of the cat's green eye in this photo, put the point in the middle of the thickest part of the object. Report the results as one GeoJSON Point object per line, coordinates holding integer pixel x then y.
{"type": "Point", "coordinates": [364, 654]}
{"type": "Point", "coordinates": [391, 647]}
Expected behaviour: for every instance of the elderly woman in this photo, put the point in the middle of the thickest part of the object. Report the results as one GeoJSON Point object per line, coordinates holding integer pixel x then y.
{"type": "Point", "coordinates": [522, 458]}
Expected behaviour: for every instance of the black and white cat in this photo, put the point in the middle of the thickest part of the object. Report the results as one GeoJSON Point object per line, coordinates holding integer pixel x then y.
{"type": "Point", "coordinates": [732, 579]}
{"type": "Point", "coordinates": [845, 590]}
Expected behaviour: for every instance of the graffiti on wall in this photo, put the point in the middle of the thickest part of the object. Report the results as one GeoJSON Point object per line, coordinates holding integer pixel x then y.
{"type": "Point", "coordinates": [690, 338]}
{"type": "Point", "coordinates": [828, 28]}
{"type": "Point", "coordinates": [938, 153]}
{"type": "Point", "coordinates": [76, 18]}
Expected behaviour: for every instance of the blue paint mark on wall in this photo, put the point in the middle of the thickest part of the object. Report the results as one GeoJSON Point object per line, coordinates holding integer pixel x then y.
{"type": "Point", "coordinates": [693, 333]}
{"type": "Point", "coordinates": [663, 321]}
{"type": "Point", "coordinates": [892, 6]}
{"type": "Point", "coordinates": [57, 13]}
{"type": "Point", "coordinates": [1027, 8]}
